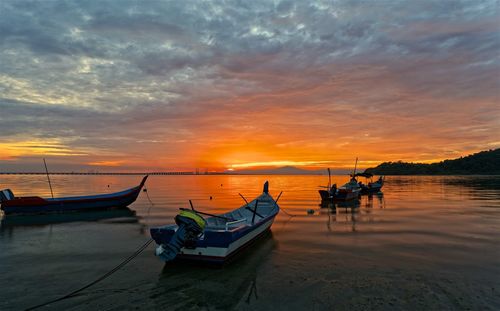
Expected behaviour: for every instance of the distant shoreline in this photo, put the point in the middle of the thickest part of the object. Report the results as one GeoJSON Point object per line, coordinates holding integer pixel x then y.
{"type": "Point", "coordinates": [212, 174]}
{"type": "Point", "coordinates": [152, 173]}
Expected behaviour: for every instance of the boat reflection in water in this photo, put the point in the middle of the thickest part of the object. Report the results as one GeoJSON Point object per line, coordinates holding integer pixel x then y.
{"type": "Point", "coordinates": [124, 214]}
{"type": "Point", "coordinates": [186, 285]}
{"type": "Point", "coordinates": [365, 201]}
{"type": "Point", "coordinates": [352, 212]}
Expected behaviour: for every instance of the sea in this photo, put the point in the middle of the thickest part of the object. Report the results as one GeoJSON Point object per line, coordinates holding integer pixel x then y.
{"type": "Point", "coordinates": [423, 243]}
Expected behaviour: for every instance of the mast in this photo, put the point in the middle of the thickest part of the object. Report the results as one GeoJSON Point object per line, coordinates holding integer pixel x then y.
{"type": "Point", "coordinates": [355, 165]}
{"type": "Point", "coordinates": [48, 178]}
{"type": "Point", "coordinates": [329, 180]}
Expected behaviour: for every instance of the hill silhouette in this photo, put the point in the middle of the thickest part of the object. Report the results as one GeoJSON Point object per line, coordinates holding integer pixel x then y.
{"type": "Point", "coordinates": [481, 163]}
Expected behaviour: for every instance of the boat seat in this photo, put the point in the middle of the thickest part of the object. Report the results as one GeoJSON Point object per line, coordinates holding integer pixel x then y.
{"type": "Point", "coordinates": [220, 222]}
{"type": "Point", "coordinates": [6, 195]}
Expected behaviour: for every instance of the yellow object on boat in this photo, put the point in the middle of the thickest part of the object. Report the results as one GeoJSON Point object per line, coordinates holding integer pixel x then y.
{"type": "Point", "coordinates": [194, 216]}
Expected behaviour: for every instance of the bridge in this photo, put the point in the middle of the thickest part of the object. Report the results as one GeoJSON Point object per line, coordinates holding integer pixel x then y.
{"type": "Point", "coordinates": [98, 173]}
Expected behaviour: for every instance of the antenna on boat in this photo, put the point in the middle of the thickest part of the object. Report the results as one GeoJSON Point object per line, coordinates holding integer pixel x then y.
{"type": "Point", "coordinates": [329, 180]}
{"type": "Point", "coordinates": [279, 196]}
{"type": "Point", "coordinates": [48, 178]}
{"type": "Point", "coordinates": [241, 195]}
{"type": "Point", "coordinates": [355, 165]}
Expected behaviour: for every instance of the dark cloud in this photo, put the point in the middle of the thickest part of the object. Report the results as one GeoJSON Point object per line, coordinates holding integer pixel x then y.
{"type": "Point", "coordinates": [106, 74]}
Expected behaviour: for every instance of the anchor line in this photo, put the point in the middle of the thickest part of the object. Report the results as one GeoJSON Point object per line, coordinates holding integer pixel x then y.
{"type": "Point", "coordinates": [150, 206]}
{"type": "Point", "coordinates": [284, 211]}
{"type": "Point", "coordinates": [103, 277]}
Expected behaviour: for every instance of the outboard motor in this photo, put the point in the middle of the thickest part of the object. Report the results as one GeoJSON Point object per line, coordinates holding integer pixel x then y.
{"type": "Point", "coordinates": [191, 226]}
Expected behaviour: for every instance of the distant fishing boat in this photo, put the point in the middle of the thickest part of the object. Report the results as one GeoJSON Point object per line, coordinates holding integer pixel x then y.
{"type": "Point", "coordinates": [372, 186]}
{"type": "Point", "coordinates": [216, 238]}
{"type": "Point", "coordinates": [346, 192]}
{"type": "Point", "coordinates": [11, 204]}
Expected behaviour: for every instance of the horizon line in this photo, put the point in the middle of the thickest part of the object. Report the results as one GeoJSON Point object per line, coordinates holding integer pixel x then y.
{"type": "Point", "coordinates": [151, 173]}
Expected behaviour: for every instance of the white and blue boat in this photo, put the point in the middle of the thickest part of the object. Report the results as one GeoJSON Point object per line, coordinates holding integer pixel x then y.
{"type": "Point", "coordinates": [216, 238]}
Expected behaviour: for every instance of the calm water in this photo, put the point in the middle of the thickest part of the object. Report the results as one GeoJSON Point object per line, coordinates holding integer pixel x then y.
{"type": "Point", "coordinates": [426, 243]}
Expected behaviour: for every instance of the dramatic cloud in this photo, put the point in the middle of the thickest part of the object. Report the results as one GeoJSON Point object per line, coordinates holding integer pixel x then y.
{"type": "Point", "coordinates": [184, 84]}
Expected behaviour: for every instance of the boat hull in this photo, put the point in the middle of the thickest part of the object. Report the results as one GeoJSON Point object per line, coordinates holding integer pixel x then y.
{"type": "Point", "coordinates": [221, 255]}
{"type": "Point", "coordinates": [346, 195]}
{"type": "Point", "coordinates": [216, 246]}
{"type": "Point", "coordinates": [373, 187]}
{"type": "Point", "coordinates": [340, 196]}
{"type": "Point", "coordinates": [325, 195]}
{"type": "Point", "coordinates": [37, 205]}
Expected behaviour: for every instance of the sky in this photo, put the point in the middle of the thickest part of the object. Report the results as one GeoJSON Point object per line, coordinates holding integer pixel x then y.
{"type": "Point", "coordinates": [217, 85]}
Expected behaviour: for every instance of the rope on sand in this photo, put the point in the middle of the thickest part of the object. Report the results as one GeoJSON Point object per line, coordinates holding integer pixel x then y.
{"type": "Point", "coordinates": [109, 273]}
{"type": "Point", "coordinates": [103, 277]}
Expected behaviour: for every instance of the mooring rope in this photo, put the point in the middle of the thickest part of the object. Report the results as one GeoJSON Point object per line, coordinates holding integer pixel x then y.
{"type": "Point", "coordinates": [276, 204]}
{"type": "Point", "coordinates": [149, 199]}
{"type": "Point", "coordinates": [106, 275]}
{"type": "Point", "coordinates": [109, 273]}
{"type": "Point", "coordinates": [150, 206]}
{"type": "Point", "coordinates": [284, 211]}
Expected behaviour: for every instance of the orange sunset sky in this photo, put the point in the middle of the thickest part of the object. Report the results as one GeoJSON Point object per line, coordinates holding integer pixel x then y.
{"type": "Point", "coordinates": [132, 85]}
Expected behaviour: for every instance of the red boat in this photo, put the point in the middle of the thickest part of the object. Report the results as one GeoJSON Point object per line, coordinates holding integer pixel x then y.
{"type": "Point", "coordinates": [11, 204]}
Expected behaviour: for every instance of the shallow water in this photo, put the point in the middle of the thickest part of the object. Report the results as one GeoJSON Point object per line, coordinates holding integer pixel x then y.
{"type": "Point", "coordinates": [425, 243]}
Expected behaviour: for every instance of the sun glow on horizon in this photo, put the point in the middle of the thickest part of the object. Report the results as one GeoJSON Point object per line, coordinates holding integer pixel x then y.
{"type": "Point", "coordinates": [279, 164]}
{"type": "Point", "coordinates": [116, 163]}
